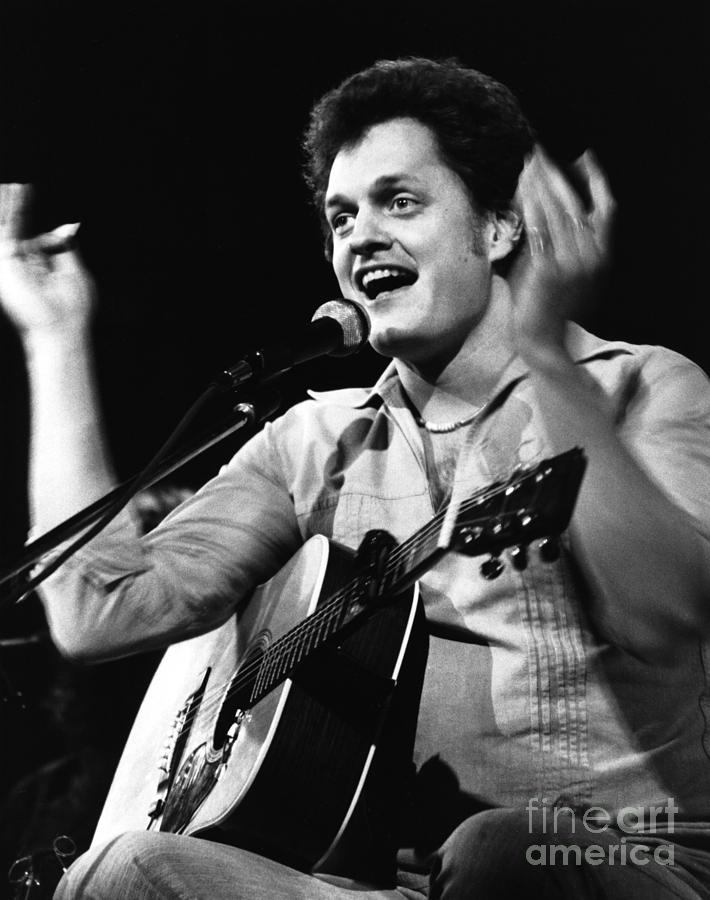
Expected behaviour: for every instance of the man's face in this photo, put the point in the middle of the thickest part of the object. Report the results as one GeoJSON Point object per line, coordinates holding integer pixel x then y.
{"type": "Point", "coordinates": [406, 242]}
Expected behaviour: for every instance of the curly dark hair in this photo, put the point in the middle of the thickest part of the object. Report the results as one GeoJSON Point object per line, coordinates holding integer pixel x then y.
{"type": "Point", "coordinates": [480, 128]}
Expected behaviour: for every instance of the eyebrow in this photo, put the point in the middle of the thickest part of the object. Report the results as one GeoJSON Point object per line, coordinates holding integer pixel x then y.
{"type": "Point", "coordinates": [381, 184]}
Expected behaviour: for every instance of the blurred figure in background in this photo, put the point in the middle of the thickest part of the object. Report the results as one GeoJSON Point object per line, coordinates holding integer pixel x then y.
{"type": "Point", "coordinates": [81, 716]}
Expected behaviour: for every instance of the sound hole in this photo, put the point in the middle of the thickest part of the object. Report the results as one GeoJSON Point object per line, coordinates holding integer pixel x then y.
{"type": "Point", "coordinates": [237, 697]}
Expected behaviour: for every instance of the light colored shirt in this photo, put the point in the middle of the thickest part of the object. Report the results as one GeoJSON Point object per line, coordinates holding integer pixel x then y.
{"type": "Point", "coordinates": [521, 700]}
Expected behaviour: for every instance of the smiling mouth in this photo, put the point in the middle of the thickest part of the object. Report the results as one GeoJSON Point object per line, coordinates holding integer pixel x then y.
{"type": "Point", "coordinates": [379, 281]}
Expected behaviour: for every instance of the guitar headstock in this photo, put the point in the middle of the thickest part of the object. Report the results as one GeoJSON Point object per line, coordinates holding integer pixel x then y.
{"type": "Point", "coordinates": [533, 503]}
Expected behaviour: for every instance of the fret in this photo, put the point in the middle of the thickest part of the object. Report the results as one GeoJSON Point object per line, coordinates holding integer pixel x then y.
{"type": "Point", "coordinates": [289, 656]}
{"type": "Point", "coordinates": [258, 682]}
{"type": "Point", "coordinates": [318, 631]}
{"type": "Point", "coordinates": [281, 656]}
{"type": "Point", "coordinates": [489, 519]}
{"type": "Point", "coordinates": [259, 688]}
{"type": "Point", "coordinates": [278, 667]}
{"type": "Point", "coordinates": [396, 571]}
{"type": "Point", "coordinates": [301, 646]}
{"type": "Point", "coordinates": [274, 670]}
{"type": "Point", "coordinates": [411, 558]}
{"type": "Point", "coordinates": [353, 601]}
{"type": "Point", "coordinates": [309, 627]}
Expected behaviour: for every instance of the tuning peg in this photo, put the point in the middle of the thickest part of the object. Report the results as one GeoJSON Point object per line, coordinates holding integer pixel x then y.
{"type": "Point", "coordinates": [468, 535]}
{"type": "Point", "coordinates": [519, 557]}
{"type": "Point", "coordinates": [491, 568]}
{"type": "Point", "coordinates": [549, 548]}
{"type": "Point", "coordinates": [525, 519]}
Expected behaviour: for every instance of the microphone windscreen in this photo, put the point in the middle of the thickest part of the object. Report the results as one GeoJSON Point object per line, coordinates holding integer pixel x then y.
{"type": "Point", "coordinates": [353, 320]}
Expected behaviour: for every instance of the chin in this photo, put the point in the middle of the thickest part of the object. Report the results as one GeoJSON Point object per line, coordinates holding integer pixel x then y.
{"type": "Point", "coordinates": [400, 343]}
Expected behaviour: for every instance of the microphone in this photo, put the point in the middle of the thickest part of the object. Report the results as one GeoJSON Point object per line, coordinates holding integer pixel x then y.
{"type": "Point", "coordinates": [337, 328]}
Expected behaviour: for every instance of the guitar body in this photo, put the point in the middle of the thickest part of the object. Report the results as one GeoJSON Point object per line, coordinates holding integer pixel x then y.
{"type": "Point", "coordinates": [298, 776]}
{"type": "Point", "coordinates": [290, 731]}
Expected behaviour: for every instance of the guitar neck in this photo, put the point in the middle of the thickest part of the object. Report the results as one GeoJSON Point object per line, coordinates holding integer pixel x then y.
{"type": "Point", "coordinates": [348, 607]}
{"type": "Point", "coordinates": [530, 504]}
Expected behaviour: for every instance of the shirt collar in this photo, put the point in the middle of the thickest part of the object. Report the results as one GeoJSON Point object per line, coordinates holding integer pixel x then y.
{"type": "Point", "coordinates": [582, 345]}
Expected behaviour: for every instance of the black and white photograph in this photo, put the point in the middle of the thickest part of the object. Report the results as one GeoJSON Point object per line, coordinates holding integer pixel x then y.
{"type": "Point", "coordinates": [354, 450]}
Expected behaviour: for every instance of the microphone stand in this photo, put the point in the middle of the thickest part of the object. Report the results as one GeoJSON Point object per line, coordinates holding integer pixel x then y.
{"type": "Point", "coordinates": [251, 411]}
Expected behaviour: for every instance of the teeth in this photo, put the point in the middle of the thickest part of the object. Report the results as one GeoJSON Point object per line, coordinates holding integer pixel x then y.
{"type": "Point", "coordinates": [369, 277]}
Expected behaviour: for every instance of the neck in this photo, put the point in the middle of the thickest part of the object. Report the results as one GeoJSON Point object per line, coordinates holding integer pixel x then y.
{"type": "Point", "coordinates": [453, 387]}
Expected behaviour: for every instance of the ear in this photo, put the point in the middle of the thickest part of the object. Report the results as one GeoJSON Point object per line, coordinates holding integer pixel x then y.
{"type": "Point", "coordinates": [503, 232]}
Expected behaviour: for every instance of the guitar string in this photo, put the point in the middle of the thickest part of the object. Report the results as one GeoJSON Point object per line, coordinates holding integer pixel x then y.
{"type": "Point", "coordinates": [323, 616]}
{"type": "Point", "coordinates": [331, 609]}
{"type": "Point", "coordinates": [419, 539]}
{"type": "Point", "coordinates": [333, 606]}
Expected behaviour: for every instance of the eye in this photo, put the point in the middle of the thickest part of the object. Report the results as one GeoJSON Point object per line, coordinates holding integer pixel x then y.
{"type": "Point", "coordinates": [402, 203]}
{"type": "Point", "coordinates": [341, 222]}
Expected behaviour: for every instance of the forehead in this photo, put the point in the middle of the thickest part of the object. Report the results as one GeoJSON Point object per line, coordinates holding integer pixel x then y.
{"type": "Point", "coordinates": [398, 149]}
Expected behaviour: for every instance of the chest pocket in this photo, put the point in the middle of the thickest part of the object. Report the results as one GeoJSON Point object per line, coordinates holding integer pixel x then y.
{"type": "Point", "coordinates": [346, 517]}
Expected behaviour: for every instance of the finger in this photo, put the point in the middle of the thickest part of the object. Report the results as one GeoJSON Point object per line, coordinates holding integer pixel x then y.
{"type": "Point", "coordinates": [56, 241]}
{"type": "Point", "coordinates": [557, 185]}
{"type": "Point", "coordinates": [50, 243]}
{"type": "Point", "coordinates": [537, 237]}
{"type": "Point", "coordinates": [14, 205]}
{"type": "Point", "coordinates": [547, 231]}
{"type": "Point", "coordinates": [570, 227]}
{"type": "Point", "coordinates": [603, 204]}
{"type": "Point", "coordinates": [538, 241]}
{"type": "Point", "coordinates": [567, 221]}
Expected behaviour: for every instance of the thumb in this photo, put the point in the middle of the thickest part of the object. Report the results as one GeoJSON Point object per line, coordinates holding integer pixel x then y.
{"type": "Point", "coordinates": [56, 241]}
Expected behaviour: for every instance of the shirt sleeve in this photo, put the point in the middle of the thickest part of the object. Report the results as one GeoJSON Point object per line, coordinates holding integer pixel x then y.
{"type": "Point", "coordinates": [123, 593]}
{"type": "Point", "coordinates": [667, 428]}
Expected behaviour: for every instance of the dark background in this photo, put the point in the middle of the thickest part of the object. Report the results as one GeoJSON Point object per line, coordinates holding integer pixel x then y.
{"type": "Point", "coordinates": [172, 132]}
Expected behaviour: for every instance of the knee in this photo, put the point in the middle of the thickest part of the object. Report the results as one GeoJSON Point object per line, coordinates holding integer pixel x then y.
{"type": "Point", "coordinates": [487, 852]}
{"type": "Point", "coordinates": [102, 871]}
{"type": "Point", "coordinates": [495, 832]}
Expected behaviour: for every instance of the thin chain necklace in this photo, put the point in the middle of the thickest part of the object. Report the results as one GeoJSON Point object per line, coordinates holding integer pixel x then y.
{"type": "Point", "coordinates": [448, 427]}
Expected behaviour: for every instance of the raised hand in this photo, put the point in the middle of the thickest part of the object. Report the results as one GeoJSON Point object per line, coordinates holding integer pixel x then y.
{"type": "Point", "coordinates": [44, 288]}
{"type": "Point", "coordinates": [562, 268]}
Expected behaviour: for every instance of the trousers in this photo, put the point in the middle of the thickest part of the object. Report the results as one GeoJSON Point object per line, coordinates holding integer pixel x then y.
{"type": "Point", "coordinates": [494, 855]}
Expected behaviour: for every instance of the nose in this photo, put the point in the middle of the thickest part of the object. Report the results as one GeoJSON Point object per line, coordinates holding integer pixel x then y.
{"type": "Point", "coordinates": [368, 234]}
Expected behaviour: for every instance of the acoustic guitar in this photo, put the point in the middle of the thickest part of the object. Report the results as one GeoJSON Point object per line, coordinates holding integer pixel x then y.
{"type": "Point", "coordinates": [289, 729]}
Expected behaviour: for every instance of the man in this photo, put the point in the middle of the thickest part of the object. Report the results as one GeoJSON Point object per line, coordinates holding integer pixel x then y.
{"type": "Point", "coordinates": [556, 699]}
